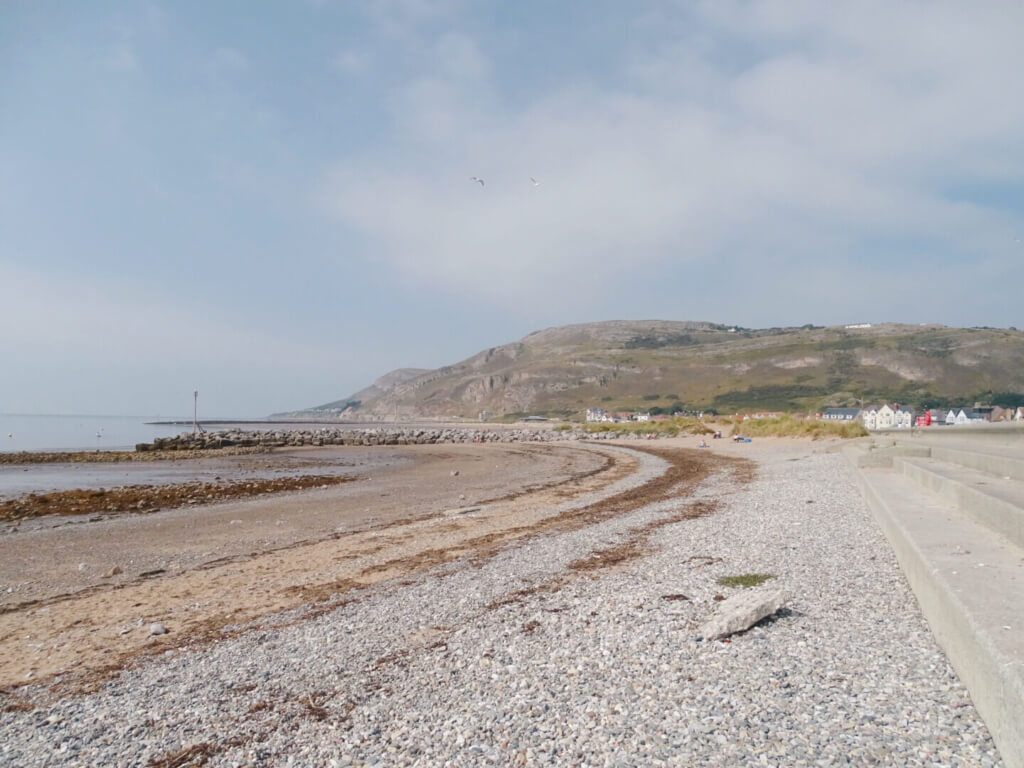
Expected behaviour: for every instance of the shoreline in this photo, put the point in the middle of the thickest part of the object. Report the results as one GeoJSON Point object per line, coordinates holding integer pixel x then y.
{"type": "Point", "coordinates": [568, 643]}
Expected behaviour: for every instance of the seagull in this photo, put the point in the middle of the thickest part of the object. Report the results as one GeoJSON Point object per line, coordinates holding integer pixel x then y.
{"type": "Point", "coordinates": [535, 182]}
{"type": "Point", "coordinates": [477, 180]}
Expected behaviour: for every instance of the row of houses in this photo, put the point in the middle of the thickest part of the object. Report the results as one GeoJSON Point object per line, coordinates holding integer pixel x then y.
{"type": "Point", "coordinates": [896, 416]}
{"type": "Point", "coordinates": [597, 415]}
{"type": "Point", "coordinates": [883, 416]}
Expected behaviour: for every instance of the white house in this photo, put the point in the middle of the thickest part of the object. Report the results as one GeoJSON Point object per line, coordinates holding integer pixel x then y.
{"type": "Point", "coordinates": [596, 414]}
{"type": "Point", "coordinates": [887, 416]}
{"type": "Point", "coordinates": [967, 415]}
{"type": "Point", "coordinates": [869, 416]}
{"type": "Point", "coordinates": [904, 416]}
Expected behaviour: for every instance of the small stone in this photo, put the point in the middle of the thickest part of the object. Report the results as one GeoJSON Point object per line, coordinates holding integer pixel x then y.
{"type": "Point", "coordinates": [113, 572]}
{"type": "Point", "coordinates": [455, 473]}
{"type": "Point", "coordinates": [157, 629]}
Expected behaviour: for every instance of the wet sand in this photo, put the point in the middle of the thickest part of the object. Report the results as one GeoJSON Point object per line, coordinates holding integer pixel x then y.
{"type": "Point", "coordinates": [52, 476]}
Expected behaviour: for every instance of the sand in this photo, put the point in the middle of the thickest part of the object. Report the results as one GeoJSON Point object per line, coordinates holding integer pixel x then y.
{"type": "Point", "coordinates": [203, 570]}
{"type": "Point", "coordinates": [206, 571]}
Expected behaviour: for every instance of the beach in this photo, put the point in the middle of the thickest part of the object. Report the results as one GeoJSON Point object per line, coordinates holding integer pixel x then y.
{"type": "Point", "coordinates": [504, 604]}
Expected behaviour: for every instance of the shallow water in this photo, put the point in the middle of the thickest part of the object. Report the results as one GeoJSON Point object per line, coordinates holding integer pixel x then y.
{"type": "Point", "coordinates": [78, 433]}
{"type": "Point", "coordinates": [19, 479]}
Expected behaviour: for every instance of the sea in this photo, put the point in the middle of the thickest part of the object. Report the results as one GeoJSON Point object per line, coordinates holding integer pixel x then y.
{"type": "Point", "coordinates": [113, 433]}
{"type": "Point", "coordinates": [20, 432]}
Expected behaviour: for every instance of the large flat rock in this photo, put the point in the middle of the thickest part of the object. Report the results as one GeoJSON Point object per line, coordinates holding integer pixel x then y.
{"type": "Point", "coordinates": [742, 611]}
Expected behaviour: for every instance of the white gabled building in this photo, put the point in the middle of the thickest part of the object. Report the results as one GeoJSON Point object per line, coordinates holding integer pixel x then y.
{"type": "Point", "coordinates": [887, 417]}
{"type": "Point", "coordinates": [596, 414]}
{"type": "Point", "coordinates": [968, 415]}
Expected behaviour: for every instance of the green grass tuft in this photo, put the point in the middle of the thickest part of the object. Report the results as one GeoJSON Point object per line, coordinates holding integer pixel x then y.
{"type": "Point", "coordinates": [745, 579]}
{"type": "Point", "coordinates": [668, 427]}
{"type": "Point", "coordinates": [788, 426]}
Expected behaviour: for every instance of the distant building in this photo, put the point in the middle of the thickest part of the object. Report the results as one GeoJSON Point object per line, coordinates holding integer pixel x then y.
{"type": "Point", "coordinates": [596, 414]}
{"type": "Point", "coordinates": [758, 415]}
{"type": "Point", "coordinates": [887, 416]}
{"type": "Point", "coordinates": [903, 416]}
{"type": "Point", "coordinates": [840, 414]}
{"type": "Point", "coordinates": [968, 415]}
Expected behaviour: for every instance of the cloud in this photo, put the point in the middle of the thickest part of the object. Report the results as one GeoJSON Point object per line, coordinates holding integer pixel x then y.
{"type": "Point", "coordinates": [230, 59]}
{"type": "Point", "coordinates": [792, 134]}
{"type": "Point", "coordinates": [81, 319]}
{"type": "Point", "coordinates": [349, 62]}
{"type": "Point", "coordinates": [121, 58]}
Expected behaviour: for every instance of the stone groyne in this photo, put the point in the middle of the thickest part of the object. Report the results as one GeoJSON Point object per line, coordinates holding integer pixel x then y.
{"type": "Point", "coordinates": [290, 438]}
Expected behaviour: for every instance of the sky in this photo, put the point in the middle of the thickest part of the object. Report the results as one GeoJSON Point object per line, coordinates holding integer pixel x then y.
{"type": "Point", "coordinates": [272, 202]}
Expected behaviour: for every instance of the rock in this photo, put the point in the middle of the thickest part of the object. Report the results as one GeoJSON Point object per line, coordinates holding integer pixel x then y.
{"type": "Point", "coordinates": [113, 572]}
{"type": "Point", "coordinates": [741, 612]}
{"type": "Point", "coordinates": [455, 473]}
{"type": "Point", "coordinates": [462, 511]}
{"type": "Point", "coordinates": [157, 629]}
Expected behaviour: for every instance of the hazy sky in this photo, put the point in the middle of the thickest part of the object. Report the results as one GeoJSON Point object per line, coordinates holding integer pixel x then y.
{"type": "Point", "coordinates": [272, 201]}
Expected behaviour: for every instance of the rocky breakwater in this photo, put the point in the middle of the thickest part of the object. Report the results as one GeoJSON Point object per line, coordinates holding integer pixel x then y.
{"type": "Point", "coordinates": [292, 438]}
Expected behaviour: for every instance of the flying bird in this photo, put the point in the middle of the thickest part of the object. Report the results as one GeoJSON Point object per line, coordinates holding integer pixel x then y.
{"type": "Point", "coordinates": [477, 180]}
{"type": "Point", "coordinates": [535, 182]}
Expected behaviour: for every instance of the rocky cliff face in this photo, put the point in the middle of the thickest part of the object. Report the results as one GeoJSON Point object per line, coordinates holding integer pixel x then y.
{"type": "Point", "coordinates": [651, 364]}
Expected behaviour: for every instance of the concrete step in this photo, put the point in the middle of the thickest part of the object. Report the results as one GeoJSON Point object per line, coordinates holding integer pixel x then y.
{"type": "Point", "coordinates": [1004, 462]}
{"type": "Point", "coordinates": [969, 582]}
{"type": "Point", "coordinates": [874, 454]}
{"type": "Point", "coordinates": [990, 500]}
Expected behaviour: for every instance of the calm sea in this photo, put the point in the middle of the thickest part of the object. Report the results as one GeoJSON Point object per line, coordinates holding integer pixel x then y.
{"type": "Point", "coordinates": [80, 433]}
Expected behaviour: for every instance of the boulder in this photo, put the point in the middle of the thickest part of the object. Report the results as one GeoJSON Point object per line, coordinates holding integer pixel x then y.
{"type": "Point", "coordinates": [742, 611]}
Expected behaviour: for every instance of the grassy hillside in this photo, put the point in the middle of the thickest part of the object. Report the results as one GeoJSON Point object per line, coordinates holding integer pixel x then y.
{"type": "Point", "coordinates": [639, 365]}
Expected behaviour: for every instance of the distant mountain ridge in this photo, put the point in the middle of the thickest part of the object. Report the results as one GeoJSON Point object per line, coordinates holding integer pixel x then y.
{"type": "Point", "coordinates": [658, 364]}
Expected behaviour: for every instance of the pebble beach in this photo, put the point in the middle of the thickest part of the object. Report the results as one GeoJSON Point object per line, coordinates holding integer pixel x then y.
{"type": "Point", "coordinates": [579, 647]}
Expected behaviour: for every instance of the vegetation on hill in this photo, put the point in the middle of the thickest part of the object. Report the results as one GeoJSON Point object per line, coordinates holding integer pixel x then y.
{"type": "Point", "coordinates": [674, 367]}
